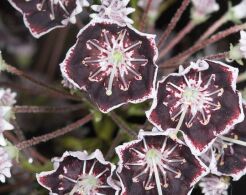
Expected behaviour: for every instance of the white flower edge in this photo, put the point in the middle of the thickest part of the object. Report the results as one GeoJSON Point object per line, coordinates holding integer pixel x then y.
{"type": "Point", "coordinates": [83, 156]}
{"type": "Point", "coordinates": [154, 132]}
{"type": "Point", "coordinates": [151, 37]}
{"type": "Point", "coordinates": [79, 8]}
{"type": "Point", "coordinates": [5, 166]}
{"type": "Point", "coordinates": [200, 66]}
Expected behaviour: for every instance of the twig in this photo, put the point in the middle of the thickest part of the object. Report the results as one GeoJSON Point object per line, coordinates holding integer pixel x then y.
{"type": "Point", "coordinates": [53, 90]}
{"type": "Point", "coordinates": [215, 26]}
{"type": "Point", "coordinates": [122, 124]}
{"type": "Point", "coordinates": [173, 22]}
{"type": "Point", "coordinates": [188, 28]}
{"type": "Point", "coordinates": [115, 143]}
{"type": "Point", "coordinates": [56, 54]}
{"type": "Point", "coordinates": [178, 59]}
{"type": "Point", "coordinates": [143, 22]}
{"type": "Point", "coordinates": [52, 135]}
{"type": "Point", "coordinates": [217, 56]}
{"type": "Point", "coordinates": [46, 109]}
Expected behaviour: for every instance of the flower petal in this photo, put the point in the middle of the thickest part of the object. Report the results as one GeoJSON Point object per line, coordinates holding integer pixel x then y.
{"type": "Point", "coordinates": [114, 64]}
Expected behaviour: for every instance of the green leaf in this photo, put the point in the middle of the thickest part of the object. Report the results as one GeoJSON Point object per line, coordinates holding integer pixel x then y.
{"type": "Point", "coordinates": [104, 128]}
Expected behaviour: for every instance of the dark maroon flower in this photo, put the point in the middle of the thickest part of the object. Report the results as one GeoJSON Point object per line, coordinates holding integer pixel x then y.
{"type": "Point", "coordinates": [77, 173]}
{"type": "Point", "coordinates": [201, 101]}
{"type": "Point", "coordinates": [214, 185]}
{"type": "Point", "coordinates": [227, 154]}
{"type": "Point", "coordinates": [42, 16]}
{"type": "Point", "coordinates": [114, 64]}
{"type": "Point", "coordinates": [155, 164]}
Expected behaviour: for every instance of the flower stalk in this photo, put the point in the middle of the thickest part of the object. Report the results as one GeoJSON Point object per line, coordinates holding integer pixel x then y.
{"type": "Point", "coordinates": [46, 137]}
{"type": "Point", "coordinates": [176, 60]}
{"type": "Point", "coordinates": [173, 22]}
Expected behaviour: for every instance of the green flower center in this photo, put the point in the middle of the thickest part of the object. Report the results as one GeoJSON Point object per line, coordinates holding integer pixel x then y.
{"type": "Point", "coordinates": [117, 57]}
{"type": "Point", "coordinates": [153, 156]}
{"type": "Point", "coordinates": [191, 95]}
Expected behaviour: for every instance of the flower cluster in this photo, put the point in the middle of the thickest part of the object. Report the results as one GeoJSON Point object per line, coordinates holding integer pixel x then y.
{"type": "Point", "coordinates": [198, 113]}
{"type": "Point", "coordinates": [42, 16]}
{"type": "Point", "coordinates": [7, 100]}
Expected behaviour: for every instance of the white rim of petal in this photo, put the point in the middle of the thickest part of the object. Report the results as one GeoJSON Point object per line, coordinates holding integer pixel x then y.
{"type": "Point", "coordinates": [195, 65]}
{"type": "Point", "coordinates": [141, 135]}
{"type": "Point", "coordinates": [76, 11]}
{"type": "Point", "coordinates": [81, 156]}
{"type": "Point", "coordinates": [150, 37]}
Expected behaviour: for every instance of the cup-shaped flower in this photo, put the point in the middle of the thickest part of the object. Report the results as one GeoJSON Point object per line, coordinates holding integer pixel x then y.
{"type": "Point", "coordinates": [212, 184]}
{"type": "Point", "coordinates": [202, 8]}
{"type": "Point", "coordinates": [7, 98]}
{"type": "Point", "coordinates": [114, 64]}
{"type": "Point", "coordinates": [5, 164]}
{"type": "Point", "coordinates": [42, 16]}
{"type": "Point", "coordinates": [201, 101]}
{"type": "Point", "coordinates": [155, 164]}
{"type": "Point", "coordinates": [242, 44]}
{"type": "Point", "coordinates": [115, 10]}
{"type": "Point", "coordinates": [238, 11]}
{"type": "Point", "coordinates": [5, 115]}
{"type": "Point", "coordinates": [79, 173]}
{"type": "Point", "coordinates": [227, 154]}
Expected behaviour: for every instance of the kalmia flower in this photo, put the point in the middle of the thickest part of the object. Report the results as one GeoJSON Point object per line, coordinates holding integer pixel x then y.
{"type": "Point", "coordinates": [4, 122]}
{"type": "Point", "coordinates": [7, 98]}
{"type": "Point", "coordinates": [242, 44]}
{"type": "Point", "coordinates": [227, 154]}
{"type": "Point", "coordinates": [238, 52]}
{"type": "Point", "coordinates": [238, 11]}
{"type": "Point", "coordinates": [202, 8]}
{"type": "Point", "coordinates": [201, 101]}
{"type": "Point", "coordinates": [5, 164]}
{"type": "Point", "coordinates": [155, 164]}
{"type": "Point", "coordinates": [42, 16]}
{"type": "Point", "coordinates": [214, 185]}
{"type": "Point", "coordinates": [79, 173]}
{"type": "Point", "coordinates": [115, 10]}
{"type": "Point", "coordinates": [114, 64]}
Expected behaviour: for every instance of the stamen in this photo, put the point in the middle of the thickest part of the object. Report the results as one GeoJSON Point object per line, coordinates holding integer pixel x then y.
{"type": "Point", "coordinates": [239, 142]}
{"type": "Point", "coordinates": [65, 177]}
{"type": "Point", "coordinates": [91, 78]}
{"type": "Point", "coordinates": [175, 86]}
{"type": "Point", "coordinates": [135, 179]}
{"type": "Point", "coordinates": [181, 119]}
{"type": "Point", "coordinates": [98, 47]}
{"type": "Point", "coordinates": [84, 167]}
{"type": "Point", "coordinates": [138, 152]}
{"type": "Point", "coordinates": [111, 79]}
{"type": "Point", "coordinates": [132, 46]}
{"type": "Point", "coordinates": [100, 174]}
{"type": "Point", "coordinates": [92, 167]}
{"type": "Point", "coordinates": [164, 145]}
{"type": "Point", "coordinates": [149, 179]}
{"type": "Point", "coordinates": [157, 178]}
{"type": "Point", "coordinates": [219, 92]}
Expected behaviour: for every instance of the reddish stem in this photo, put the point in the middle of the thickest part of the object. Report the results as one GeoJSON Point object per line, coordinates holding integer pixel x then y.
{"type": "Point", "coordinates": [52, 90]}
{"type": "Point", "coordinates": [187, 53]}
{"type": "Point", "coordinates": [173, 22]}
{"type": "Point", "coordinates": [118, 121]}
{"type": "Point", "coordinates": [188, 28]}
{"type": "Point", "coordinates": [217, 56]}
{"type": "Point", "coordinates": [143, 22]}
{"type": "Point", "coordinates": [215, 26]}
{"type": "Point", "coordinates": [47, 109]}
{"type": "Point", "coordinates": [46, 137]}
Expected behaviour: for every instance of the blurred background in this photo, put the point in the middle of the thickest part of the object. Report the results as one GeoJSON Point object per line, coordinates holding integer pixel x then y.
{"type": "Point", "coordinates": [41, 58]}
